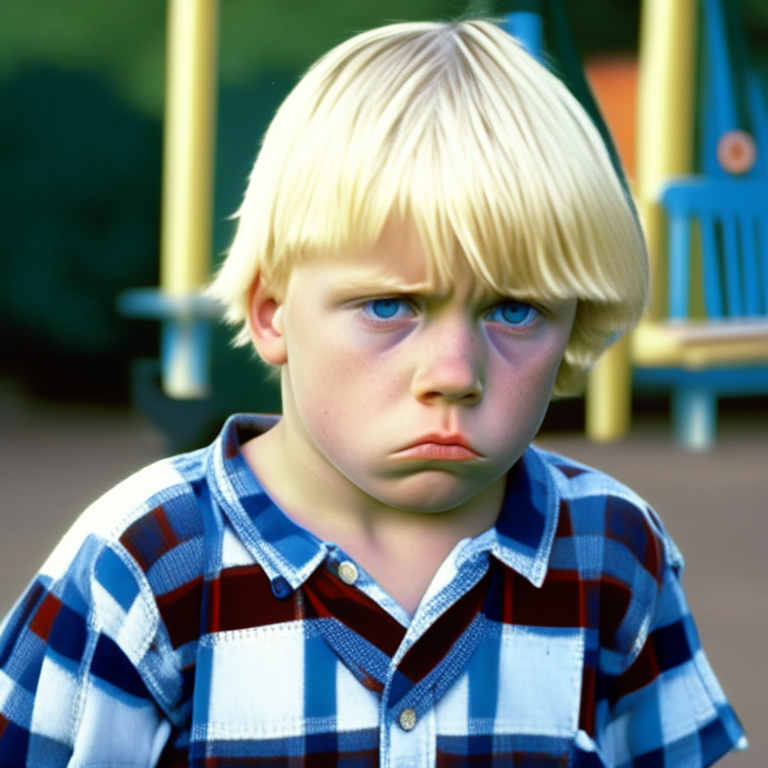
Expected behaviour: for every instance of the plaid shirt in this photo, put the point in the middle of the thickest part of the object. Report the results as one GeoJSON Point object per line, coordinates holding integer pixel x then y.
{"type": "Point", "coordinates": [185, 620]}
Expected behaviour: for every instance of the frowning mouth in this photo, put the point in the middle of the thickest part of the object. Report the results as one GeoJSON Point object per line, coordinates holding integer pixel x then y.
{"type": "Point", "coordinates": [441, 448]}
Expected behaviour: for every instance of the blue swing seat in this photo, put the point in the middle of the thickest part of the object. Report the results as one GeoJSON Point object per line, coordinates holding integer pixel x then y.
{"type": "Point", "coordinates": [725, 352]}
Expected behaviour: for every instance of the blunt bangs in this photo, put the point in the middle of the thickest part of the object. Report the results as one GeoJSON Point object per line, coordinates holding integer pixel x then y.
{"type": "Point", "coordinates": [455, 128]}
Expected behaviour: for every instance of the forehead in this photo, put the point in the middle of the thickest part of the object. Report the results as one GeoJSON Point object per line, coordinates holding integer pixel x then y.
{"type": "Point", "coordinates": [396, 261]}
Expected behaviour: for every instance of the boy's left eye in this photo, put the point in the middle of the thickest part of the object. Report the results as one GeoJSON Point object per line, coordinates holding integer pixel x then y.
{"type": "Point", "coordinates": [513, 313]}
{"type": "Point", "coordinates": [387, 309]}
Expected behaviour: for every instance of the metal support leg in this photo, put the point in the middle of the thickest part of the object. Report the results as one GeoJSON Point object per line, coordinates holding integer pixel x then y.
{"type": "Point", "coordinates": [694, 417]}
{"type": "Point", "coordinates": [185, 353]}
{"type": "Point", "coordinates": [609, 395]}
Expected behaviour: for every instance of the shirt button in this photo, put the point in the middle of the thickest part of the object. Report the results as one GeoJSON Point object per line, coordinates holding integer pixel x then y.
{"type": "Point", "coordinates": [348, 572]}
{"type": "Point", "coordinates": [407, 719]}
{"type": "Point", "coordinates": [280, 587]}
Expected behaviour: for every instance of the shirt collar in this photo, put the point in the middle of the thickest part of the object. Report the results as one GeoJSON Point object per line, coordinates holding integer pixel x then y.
{"type": "Point", "coordinates": [523, 534]}
{"type": "Point", "coordinates": [521, 538]}
{"type": "Point", "coordinates": [286, 551]}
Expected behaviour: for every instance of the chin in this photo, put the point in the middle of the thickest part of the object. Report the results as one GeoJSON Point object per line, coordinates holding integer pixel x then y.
{"type": "Point", "coordinates": [429, 492]}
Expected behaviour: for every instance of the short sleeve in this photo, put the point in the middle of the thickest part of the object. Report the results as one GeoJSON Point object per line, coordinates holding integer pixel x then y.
{"type": "Point", "coordinates": [667, 708]}
{"type": "Point", "coordinates": [74, 682]}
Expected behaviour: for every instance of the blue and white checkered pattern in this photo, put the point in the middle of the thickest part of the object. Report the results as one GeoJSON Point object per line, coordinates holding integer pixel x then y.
{"type": "Point", "coordinates": [185, 620]}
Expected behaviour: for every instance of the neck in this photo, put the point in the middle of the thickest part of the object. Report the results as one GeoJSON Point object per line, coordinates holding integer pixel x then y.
{"type": "Point", "coordinates": [401, 549]}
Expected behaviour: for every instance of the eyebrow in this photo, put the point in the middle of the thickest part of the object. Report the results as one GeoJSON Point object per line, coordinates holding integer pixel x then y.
{"type": "Point", "coordinates": [370, 285]}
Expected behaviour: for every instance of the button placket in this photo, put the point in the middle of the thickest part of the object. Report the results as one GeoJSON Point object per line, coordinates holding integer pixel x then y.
{"type": "Point", "coordinates": [412, 737]}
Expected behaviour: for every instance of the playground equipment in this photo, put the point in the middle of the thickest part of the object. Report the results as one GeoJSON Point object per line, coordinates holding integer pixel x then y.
{"type": "Point", "coordinates": [180, 404]}
{"type": "Point", "coordinates": [706, 332]}
{"type": "Point", "coordinates": [527, 20]}
{"type": "Point", "coordinates": [188, 149]}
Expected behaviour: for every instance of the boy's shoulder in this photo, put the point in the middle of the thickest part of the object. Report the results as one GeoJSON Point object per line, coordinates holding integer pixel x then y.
{"type": "Point", "coordinates": [153, 515]}
{"type": "Point", "coordinates": [103, 594]}
{"type": "Point", "coordinates": [593, 503]}
{"type": "Point", "coordinates": [574, 478]}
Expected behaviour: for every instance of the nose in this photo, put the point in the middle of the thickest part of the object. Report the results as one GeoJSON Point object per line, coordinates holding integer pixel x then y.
{"type": "Point", "coordinates": [449, 365]}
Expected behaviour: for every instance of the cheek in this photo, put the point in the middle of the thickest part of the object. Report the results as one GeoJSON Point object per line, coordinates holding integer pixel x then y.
{"type": "Point", "coordinates": [340, 385]}
{"type": "Point", "coordinates": [533, 360]}
{"type": "Point", "coordinates": [520, 381]}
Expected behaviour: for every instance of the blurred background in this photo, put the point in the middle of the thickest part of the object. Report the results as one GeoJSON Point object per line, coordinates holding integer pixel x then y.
{"type": "Point", "coordinates": [81, 132]}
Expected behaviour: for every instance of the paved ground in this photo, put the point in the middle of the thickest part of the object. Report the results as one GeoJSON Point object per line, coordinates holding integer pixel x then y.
{"type": "Point", "coordinates": [54, 461]}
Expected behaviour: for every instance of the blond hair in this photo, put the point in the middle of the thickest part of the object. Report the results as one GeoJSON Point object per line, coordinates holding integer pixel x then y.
{"type": "Point", "coordinates": [454, 127]}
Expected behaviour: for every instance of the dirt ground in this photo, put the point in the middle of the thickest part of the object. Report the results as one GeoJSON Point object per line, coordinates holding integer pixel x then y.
{"type": "Point", "coordinates": [55, 460]}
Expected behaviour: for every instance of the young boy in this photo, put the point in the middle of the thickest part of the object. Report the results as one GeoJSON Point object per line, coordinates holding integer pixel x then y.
{"type": "Point", "coordinates": [433, 240]}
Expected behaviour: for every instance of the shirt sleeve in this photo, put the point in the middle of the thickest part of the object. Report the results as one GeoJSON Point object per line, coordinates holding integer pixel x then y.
{"type": "Point", "coordinates": [667, 707]}
{"type": "Point", "coordinates": [80, 668]}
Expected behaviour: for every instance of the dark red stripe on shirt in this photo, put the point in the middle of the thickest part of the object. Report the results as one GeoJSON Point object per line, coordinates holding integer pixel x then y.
{"type": "Point", "coordinates": [169, 535]}
{"type": "Point", "coordinates": [42, 621]}
{"type": "Point", "coordinates": [615, 597]}
{"type": "Point", "coordinates": [555, 604]}
{"type": "Point", "coordinates": [181, 610]}
{"type": "Point", "coordinates": [358, 759]}
{"type": "Point", "coordinates": [149, 538]}
{"type": "Point", "coordinates": [328, 596]}
{"type": "Point", "coordinates": [587, 708]}
{"type": "Point", "coordinates": [665, 648]}
{"type": "Point", "coordinates": [564, 523]}
{"type": "Point", "coordinates": [430, 649]}
{"type": "Point", "coordinates": [245, 599]}
{"type": "Point", "coordinates": [644, 670]}
{"type": "Point", "coordinates": [240, 598]}
{"type": "Point", "coordinates": [563, 600]}
{"type": "Point", "coordinates": [569, 471]}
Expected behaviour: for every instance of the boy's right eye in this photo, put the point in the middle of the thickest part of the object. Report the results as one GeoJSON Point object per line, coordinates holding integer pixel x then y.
{"type": "Point", "coordinates": [387, 309]}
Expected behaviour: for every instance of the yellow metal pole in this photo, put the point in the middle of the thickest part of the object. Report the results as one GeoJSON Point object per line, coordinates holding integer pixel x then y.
{"type": "Point", "coordinates": [666, 94]}
{"type": "Point", "coordinates": [608, 406]}
{"type": "Point", "coordinates": [188, 150]}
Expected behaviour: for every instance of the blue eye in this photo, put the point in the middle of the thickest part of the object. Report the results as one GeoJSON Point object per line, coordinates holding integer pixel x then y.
{"type": "Point", "coordinates": [385, 309]}
{"type": "Point", "coordinates": [513, 313]}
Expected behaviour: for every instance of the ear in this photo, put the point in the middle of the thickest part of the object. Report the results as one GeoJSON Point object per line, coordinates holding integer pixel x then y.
{"type": "Point", "coordinates": [265, 323]}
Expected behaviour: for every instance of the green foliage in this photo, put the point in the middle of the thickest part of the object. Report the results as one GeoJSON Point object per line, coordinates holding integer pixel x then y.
{"type": "Point", "coordinates": [125, 39]}
{"type": "Point", "coordinates": [244, 114]}
{"type": "Point", "coordinates": [291, 34]}
{"type": "Point", "coordinates": [79, 216]}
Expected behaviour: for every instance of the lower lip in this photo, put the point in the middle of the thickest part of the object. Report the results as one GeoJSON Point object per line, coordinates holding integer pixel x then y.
{"type": "Point", "coordinates": [440, 452]}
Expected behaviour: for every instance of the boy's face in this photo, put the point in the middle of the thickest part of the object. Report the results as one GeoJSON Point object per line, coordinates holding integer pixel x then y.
{"type": "Point", "coordinates": [382, 368]}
